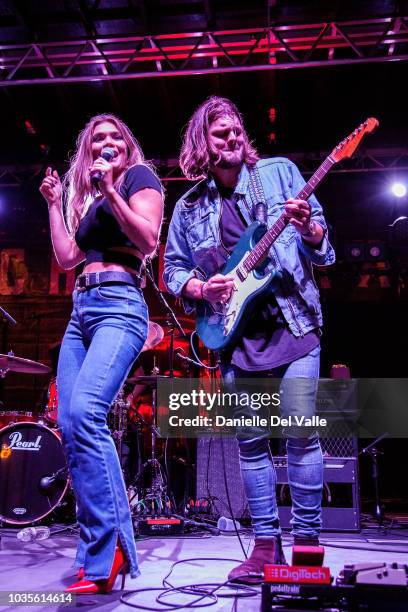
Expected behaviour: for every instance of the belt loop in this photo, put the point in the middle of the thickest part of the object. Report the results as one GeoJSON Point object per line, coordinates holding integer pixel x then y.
{"type": "Point", "coordinates": [97, 278]}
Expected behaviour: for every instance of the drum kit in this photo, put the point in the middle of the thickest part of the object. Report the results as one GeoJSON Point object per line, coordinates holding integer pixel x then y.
{"type": "Point", "coordinates": [29, 451]}
{"type": "Point", "coordinates": [33, 473]}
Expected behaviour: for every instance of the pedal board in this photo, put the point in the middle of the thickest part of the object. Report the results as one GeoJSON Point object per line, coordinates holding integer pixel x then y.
{"type": "Point", "coordinates": [158, 526]}
{"type": "Point", "coordinates": [296, 574]}
{"type": "Point", "coordinates": [363, 586]}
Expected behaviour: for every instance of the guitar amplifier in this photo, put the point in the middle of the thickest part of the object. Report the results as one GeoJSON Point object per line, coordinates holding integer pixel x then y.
{"type": "Point", "coordinates": [341, 504]}
{"type": "Point", "coordinates": [212, 454]}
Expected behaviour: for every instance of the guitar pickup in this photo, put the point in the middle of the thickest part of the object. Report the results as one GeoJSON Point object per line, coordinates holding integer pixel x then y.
{"type": "Point", "coordinates": [241, 274]}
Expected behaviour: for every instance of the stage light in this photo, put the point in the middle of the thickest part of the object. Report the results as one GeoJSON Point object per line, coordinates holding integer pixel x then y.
{"type": "Point", "coordinates": [30, 129]}
{"type": "Point", "coordinates": [399, 190]}
{"type": "Point", "coordinates": [354, 251]}
{"type": "Point", "coordinates": [364, 251]}
{"type": "Point", "coordinates": [5, 452]}
{"type": "Point", "coordinates": [375, 251]}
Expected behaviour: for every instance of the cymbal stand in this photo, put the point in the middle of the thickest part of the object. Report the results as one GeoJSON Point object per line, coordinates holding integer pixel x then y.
{"type": "Point", "coordinates": [119, 410]}
{"type": "Point", "coordinates": [155, 497]}
{"type": "Point", "coordinates": [6, 320]}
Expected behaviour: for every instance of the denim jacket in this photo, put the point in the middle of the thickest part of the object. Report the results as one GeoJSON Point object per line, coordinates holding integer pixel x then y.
{"type": "Point", "coordinates": [194, 247]}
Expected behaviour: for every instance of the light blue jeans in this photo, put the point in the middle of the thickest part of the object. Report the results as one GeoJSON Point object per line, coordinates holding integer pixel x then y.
{"type": "Point", "coordinates": [105, 335]}
{"type": "Point", "coordinates": [298, 388]}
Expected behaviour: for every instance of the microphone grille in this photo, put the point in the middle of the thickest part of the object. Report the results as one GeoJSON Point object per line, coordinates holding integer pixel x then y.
{"type": "Point", "coordinates": [108, 153]}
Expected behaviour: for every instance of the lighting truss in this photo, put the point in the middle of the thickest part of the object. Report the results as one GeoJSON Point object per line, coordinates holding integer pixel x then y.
{"type": "Point", "coordinates": [270, 48]}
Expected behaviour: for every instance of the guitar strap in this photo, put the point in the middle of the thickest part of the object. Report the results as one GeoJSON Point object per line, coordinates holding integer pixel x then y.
{"type": "Point", "coordinates": [257, 195]}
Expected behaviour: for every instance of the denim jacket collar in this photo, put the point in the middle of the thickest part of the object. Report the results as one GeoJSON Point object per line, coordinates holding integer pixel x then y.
{"type": "Point", "coordinates": [241, 186]}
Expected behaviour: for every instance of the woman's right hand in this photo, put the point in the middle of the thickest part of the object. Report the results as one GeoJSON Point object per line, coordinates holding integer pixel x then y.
{"type": "Point", "coordinates": [51, 188]}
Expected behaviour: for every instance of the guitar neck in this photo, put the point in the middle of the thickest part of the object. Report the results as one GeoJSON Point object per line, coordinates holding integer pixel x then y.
{"type": "Point", "coordinates": [260, 251]}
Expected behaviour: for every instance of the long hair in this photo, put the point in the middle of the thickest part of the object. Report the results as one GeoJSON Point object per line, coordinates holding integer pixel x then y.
{"type": "Point", "coordinates": [77, 186]}
{"type": "Point", "coordinates": [195, 156]}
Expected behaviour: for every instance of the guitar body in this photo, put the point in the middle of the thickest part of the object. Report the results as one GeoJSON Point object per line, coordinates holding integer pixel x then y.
{"type": "Point", "coordinates": [219, 325]}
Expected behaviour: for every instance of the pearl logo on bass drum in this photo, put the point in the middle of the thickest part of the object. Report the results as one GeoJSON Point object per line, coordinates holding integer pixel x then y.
{"type": "Point", "coordinates": [17, 444]}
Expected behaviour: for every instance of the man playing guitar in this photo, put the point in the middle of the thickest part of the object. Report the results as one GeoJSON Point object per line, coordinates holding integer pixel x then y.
{"type": "Point", "coordinates": [282, 336]}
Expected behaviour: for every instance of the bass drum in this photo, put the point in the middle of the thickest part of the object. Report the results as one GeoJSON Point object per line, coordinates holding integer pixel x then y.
{"type": "Point", "coordinates": [33, 472]}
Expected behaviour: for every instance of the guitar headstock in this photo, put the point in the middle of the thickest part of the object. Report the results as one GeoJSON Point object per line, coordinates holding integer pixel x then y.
{"type": "Point", "coordinates": [347, 147]}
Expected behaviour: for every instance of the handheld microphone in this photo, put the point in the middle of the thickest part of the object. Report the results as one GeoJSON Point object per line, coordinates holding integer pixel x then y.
{"type": "Point", "coordinates": [108, 154]}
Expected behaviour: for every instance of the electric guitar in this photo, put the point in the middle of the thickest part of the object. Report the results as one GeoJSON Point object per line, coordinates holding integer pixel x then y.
{"type": "Point", "coordinates": [220, 324]}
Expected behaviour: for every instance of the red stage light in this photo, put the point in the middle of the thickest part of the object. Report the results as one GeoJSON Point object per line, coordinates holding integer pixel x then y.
{"type": "Point", "coordinates": [30, 129]}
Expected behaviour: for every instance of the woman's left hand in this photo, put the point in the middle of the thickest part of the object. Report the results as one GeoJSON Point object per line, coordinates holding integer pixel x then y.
{"type": "Point", "coordinates": [106, 182]}
{"type": "Point", "coordinates": [299, 213]}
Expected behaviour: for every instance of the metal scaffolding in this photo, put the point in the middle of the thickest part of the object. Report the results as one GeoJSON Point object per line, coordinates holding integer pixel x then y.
{"type": "Point", "coordinates": [368, 160]}
{"type": "Point", "coordinates": [240, 50]}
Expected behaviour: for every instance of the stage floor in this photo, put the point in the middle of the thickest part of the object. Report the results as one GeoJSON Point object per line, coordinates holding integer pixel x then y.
{"type": "Point", "coordinates": [46, 565]}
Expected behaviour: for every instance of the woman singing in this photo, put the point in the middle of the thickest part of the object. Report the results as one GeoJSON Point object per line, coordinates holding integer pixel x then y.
{"type": "Point", "coordinates": [112, 221]}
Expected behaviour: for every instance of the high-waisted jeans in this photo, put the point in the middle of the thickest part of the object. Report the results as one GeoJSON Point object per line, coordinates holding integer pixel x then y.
{"type": "Point", "coordinates": [105, 335]}
{"type": "Point", "coordinates": [304, 455]}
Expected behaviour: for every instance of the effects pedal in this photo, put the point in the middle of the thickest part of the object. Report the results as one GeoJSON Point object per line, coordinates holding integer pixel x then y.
{"type": "Point", "coordinates": [159, 526]}
{"type": "Point", "coordinates": [307, 555]}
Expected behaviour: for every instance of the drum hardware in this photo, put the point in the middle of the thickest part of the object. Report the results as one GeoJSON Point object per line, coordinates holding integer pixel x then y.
{"type": "Point", "coordinates": [7, 317]}
{"type": "Point", "coordinates": [51, 407]}
{"type": "Point", "coordinates": [117, 420]}
{"type": "Point", "coordinates": [47, 482]}
{"type": "Point", "coordinates": [155, 498]}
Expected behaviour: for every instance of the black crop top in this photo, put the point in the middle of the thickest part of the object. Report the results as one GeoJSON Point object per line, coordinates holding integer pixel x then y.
{"type": "Point", "coordinates": [99, 231]}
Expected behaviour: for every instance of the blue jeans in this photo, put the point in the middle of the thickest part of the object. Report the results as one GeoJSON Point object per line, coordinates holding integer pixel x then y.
{"type": "Point", "coordinates": [305, 460]}
{"type": "Point", "coordinates": [106, 332]}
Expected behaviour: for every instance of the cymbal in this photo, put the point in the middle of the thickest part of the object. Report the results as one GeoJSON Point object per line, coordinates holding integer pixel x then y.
{"type": "Point", "coordinates": [155, 334]}
{"type": "Point", "coordinates": [146, 380]}
{"type": "Point", "coordinates": [25, 366]}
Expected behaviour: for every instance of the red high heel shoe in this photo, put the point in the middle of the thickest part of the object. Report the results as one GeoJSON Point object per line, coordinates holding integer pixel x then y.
{"type": "Point", "coordinates": [81, 573]}
{"type": "Point", "coordinates": [85, 587]}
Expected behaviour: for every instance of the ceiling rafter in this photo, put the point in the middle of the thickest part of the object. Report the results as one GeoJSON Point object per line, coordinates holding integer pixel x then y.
{"type": "Point", "coordinates": [251, 49]}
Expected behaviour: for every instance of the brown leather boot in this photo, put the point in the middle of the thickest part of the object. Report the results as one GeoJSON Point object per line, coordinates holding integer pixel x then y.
{"type": "Point", "coordinates": [252, 569]}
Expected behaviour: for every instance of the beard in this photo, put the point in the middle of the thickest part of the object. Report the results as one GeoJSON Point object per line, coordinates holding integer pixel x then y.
{"type": "Point", "coordinates": [229, 159]}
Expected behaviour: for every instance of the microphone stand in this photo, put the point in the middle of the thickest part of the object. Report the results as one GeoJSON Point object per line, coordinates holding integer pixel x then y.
{"type": "Point", "coordinates": [173, 322]}
{"type": "Point", "coordinates": [373, 452]}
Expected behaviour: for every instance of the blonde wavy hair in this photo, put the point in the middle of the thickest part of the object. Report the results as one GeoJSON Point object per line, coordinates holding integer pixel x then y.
{"type": "Point", "coordinates": [195, 155]}
{"type": "Point", "coordinates": [76, 183]}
